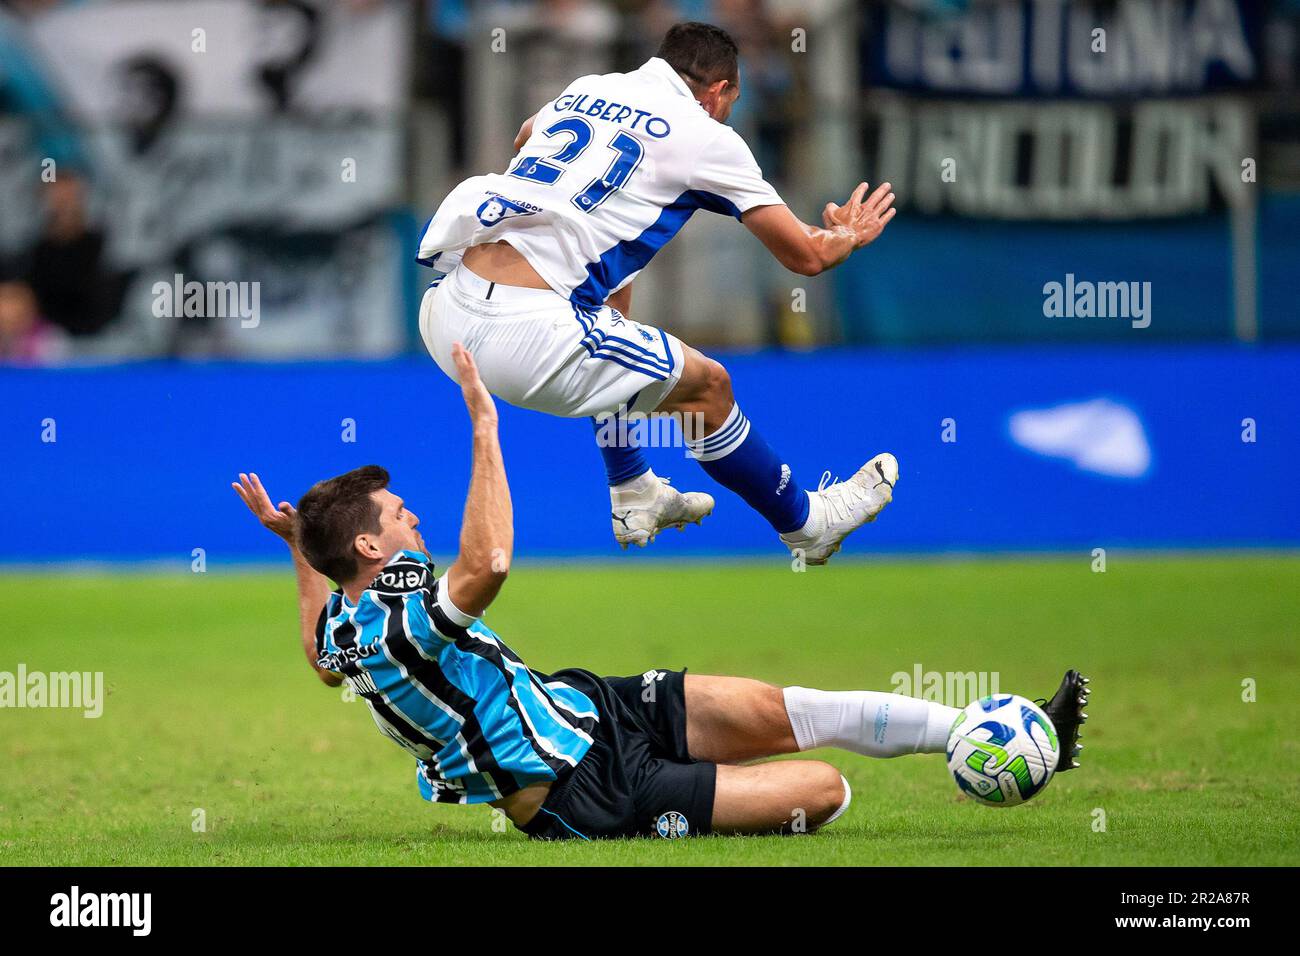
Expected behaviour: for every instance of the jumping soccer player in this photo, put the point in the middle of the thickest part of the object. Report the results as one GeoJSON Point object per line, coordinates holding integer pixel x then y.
{"type": "Point", "coordinates": [538, 263]}
{"type": "Point", "coordinates": [568, 754]}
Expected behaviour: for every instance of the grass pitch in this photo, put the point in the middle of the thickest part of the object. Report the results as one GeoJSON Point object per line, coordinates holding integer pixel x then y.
{"type": "Point", "coordinates": [211, 708]}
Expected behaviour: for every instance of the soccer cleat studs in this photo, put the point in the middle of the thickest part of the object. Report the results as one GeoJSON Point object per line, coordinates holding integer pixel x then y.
{"type": "Point", "coordinates": [1065, 710]}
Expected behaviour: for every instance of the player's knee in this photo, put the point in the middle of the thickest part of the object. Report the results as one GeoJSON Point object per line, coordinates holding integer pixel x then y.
{"type": "Point", "coordinates": [717, 390]}
{"type": "Point", "coordinates": [826, 793]}
{"type": "Point", "coordinates": [717, 378]}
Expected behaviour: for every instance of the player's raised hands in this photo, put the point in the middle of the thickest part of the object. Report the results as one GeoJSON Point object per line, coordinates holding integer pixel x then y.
{"type": "Point", "coordinates": [279, 520]}
{"type": "Point", "coordinates": [865, 218]}
{"type": "Point", "coordinates": [482, 410]}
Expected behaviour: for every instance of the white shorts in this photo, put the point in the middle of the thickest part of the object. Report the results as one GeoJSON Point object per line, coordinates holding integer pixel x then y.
{"type": "Point", "coordinates": [535, 349]}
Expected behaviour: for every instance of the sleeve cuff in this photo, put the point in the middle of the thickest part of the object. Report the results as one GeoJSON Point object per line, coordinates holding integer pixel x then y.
{"type": "Point", "coordinates": [454, 614]}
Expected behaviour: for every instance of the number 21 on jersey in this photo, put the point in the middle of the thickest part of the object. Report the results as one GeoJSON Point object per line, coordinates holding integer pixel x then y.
{"type": "Point", "coordinates": [547, 170]}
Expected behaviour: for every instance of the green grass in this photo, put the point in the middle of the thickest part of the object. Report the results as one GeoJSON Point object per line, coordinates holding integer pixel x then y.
{"type": "Point", "coordinates": [211, 706]}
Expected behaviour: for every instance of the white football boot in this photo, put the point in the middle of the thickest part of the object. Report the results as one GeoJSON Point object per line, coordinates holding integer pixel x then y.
{"type": "Point", "coordinates": [644, 506]}
{"type": "Point", "coordinates": [839, 509]}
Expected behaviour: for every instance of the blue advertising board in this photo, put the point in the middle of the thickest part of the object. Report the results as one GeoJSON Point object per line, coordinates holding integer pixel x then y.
{"type": "Point", "coordinates": [1001, 449]}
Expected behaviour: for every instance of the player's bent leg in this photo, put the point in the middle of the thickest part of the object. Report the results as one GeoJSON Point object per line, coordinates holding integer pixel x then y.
{"type": "Point", "coordinates": [736, 719]}
{"type": "Point", "coordinates": [702, 394]}
{"type": "Point", "coordinates": [785, 796]}
{"type": "Point", "coordinates": [729, 449]}
{"type": "Point", "coordinates": [812, 525]}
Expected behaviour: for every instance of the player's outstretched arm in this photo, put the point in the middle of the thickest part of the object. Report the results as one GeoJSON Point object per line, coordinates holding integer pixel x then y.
{"type": "Point", "coordinates": [313, 587]}
{"type": "Point", "coordinates": [487, 531]}
{"type": "Point", "coordinates": [811, 250]}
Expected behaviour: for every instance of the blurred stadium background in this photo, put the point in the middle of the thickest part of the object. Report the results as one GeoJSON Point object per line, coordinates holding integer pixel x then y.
{"type": "Point", "coordinates": [296, 147]}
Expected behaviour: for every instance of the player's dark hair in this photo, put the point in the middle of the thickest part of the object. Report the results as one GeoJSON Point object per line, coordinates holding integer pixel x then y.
{"type": "Point", "coordinates": [702, 53]}
{"type": "Point", "coordinates": [332, 513]}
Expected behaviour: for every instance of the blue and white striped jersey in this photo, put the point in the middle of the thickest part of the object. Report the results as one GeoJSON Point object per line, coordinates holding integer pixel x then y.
{"type": "Point", "coordinates": [443, 687]}
{"type": "Point", "coordinates": [614, 167]}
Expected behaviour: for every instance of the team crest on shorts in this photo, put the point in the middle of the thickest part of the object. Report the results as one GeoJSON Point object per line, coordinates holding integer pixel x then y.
{"type": "Point", "coordinates": [672, 825]}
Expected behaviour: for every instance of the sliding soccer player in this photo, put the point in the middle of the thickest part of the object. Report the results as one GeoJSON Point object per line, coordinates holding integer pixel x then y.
{"type": "Point", "coordinates": [569, 754]}
{"type": "Point", "coordinates": [538, 263]}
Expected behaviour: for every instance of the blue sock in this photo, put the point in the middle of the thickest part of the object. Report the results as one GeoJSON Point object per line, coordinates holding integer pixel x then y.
{"type": "Point", "coordinates": [737, 457]}
{"type": "Point", "coordinates": [623, 462]}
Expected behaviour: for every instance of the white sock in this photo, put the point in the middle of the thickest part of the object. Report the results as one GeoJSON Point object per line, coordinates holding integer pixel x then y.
{"type": "Point", "coordinates": [816, 523]}
{"type": "Point", "coordinates": [867, 722]}
{"type": "Point", "coordinates": [634, 486]}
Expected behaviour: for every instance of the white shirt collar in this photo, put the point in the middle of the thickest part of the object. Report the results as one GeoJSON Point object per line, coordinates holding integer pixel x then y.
{"type": "Point", "coordinates": [659, 68]}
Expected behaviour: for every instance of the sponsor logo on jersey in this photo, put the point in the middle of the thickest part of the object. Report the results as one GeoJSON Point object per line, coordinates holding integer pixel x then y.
{"type": "Point", "coordinates": [400, 578]}
{"type": "Point", "coordinates": [497, 208]}
{"type": "Point", "coordinates": [348, 655]}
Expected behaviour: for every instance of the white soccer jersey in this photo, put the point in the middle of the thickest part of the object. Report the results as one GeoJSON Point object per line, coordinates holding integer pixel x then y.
{"type": "Point", "coordinates": [615, 166]}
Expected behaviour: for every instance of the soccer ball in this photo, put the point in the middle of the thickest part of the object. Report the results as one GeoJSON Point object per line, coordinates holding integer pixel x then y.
{"type": "Point", "coordinates": [1002, 750]}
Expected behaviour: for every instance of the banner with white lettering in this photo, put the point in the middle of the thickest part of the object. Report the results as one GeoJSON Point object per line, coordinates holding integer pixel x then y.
{"type": "Point", "coordinates": [226, 141]}
{"type": "Point", "coordinates": [1043, 109]}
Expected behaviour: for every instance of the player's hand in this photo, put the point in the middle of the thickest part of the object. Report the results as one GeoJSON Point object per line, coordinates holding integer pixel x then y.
{"type": "Point", "coordinates": [865, 219]}
{"type": "Point", "coordinates": [280, 520]}
{"type": "Point", "coordinates": [482, 410]}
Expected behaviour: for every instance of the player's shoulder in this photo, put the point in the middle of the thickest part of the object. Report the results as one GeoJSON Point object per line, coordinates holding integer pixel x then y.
{"type": "Point", "coordinates": [406, 572]}
{"type": "Point", "coordinates": [723, 142]}
{"type": "Point", "coordinates": [399, 599]}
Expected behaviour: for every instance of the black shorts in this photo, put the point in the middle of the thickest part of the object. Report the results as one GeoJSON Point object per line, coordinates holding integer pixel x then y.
{"type": "Point", "coordinates": [638, 778]}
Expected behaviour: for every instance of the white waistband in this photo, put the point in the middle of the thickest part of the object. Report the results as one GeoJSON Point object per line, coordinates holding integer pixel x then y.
{"type": "Point", "coordinates": [475, 286]}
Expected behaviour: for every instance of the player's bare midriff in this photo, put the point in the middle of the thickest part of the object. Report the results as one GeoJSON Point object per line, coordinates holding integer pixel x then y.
{"type": "Point", "coordinates": [501, 263]}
